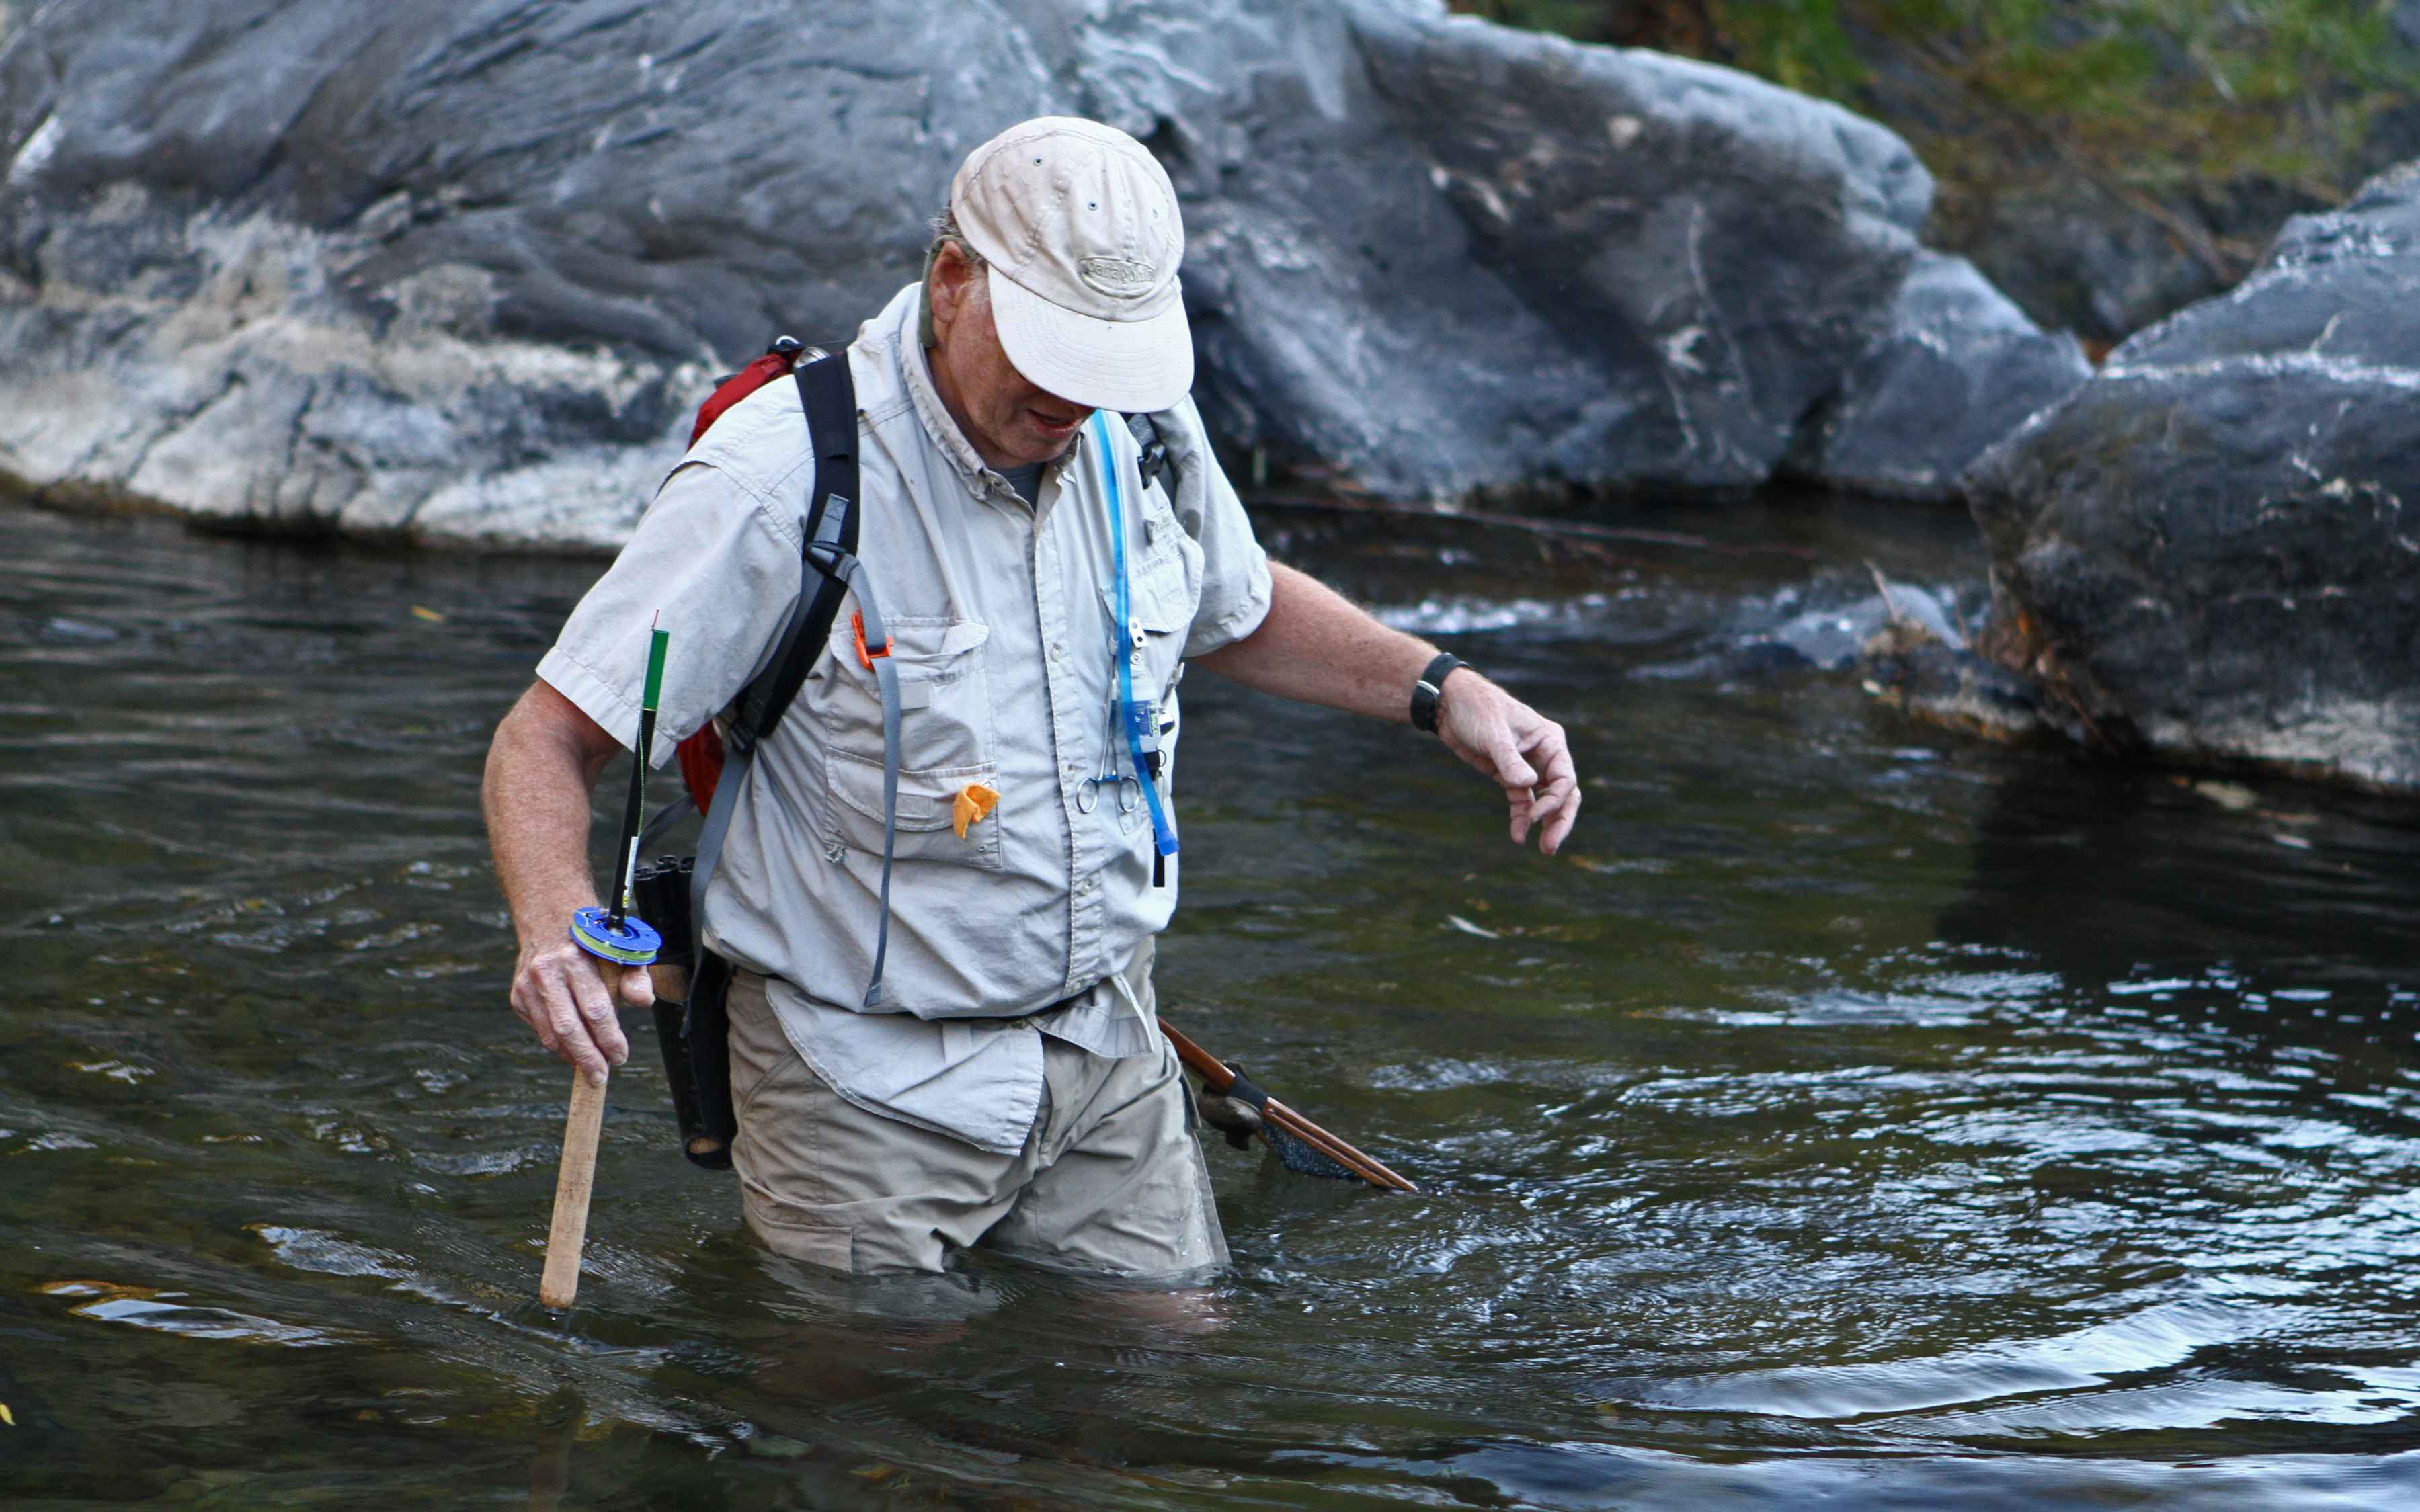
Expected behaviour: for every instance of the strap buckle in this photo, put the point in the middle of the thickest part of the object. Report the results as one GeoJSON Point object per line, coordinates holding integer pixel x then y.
{"type": "Point", "coordinates": [864, 656]}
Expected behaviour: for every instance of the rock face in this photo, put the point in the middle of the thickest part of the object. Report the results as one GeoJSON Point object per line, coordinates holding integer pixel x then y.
{"type": "Point", "coordinates": [2206, 551]}
{"type": "Point", "coordinates": [1924, 400]}
{"type": "Point", "coordinates": [460, 269]}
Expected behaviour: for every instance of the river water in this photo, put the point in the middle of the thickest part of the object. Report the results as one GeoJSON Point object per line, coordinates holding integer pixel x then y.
{"type": "Point", "coordinates": [1853, 1116]}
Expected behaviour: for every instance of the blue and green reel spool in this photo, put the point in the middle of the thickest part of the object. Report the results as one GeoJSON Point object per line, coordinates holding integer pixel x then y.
{"type": "Point", "coordinates": [635, 942]}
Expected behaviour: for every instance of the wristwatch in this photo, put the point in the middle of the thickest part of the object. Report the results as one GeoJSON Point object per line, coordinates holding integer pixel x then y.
{"type": "Point", "coordinates": [1430, 687]}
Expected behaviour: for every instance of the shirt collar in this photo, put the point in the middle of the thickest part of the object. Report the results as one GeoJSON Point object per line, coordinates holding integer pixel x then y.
{"type": "Point", "coordinates": [916, 373]}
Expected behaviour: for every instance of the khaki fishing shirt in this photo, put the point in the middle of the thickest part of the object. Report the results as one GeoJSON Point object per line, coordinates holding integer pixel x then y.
{"type": "Point", "coordinates": [999, 615]}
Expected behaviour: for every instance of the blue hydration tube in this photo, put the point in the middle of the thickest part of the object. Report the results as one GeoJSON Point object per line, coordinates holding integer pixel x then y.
{"type": "Point", "coordinates": [1133, 716]}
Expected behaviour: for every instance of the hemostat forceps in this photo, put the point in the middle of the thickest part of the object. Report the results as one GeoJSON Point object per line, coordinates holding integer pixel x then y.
{"type": "Point", "coordinates": [1087, 796]}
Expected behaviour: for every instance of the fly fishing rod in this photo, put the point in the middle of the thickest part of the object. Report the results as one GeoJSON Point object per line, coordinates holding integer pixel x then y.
{"type": "Point", "coordinates": [611, 934]}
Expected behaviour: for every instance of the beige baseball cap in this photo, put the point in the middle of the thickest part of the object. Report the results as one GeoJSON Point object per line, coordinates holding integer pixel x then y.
{"type": "Point", "coordinates": [1080, 225]}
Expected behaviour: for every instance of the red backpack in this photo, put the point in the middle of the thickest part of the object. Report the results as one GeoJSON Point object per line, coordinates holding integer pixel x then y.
{"type": "Point", "coordinates": [694, 1034]}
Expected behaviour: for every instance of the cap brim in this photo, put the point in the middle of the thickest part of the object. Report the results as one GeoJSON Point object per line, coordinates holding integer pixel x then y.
{"type": "Point", "coordinates": [1129, 366]}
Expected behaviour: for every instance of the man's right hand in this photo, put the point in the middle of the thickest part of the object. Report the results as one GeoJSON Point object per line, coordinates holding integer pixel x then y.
{"type": "Point", "coordinates": [545, 758]}
{"type": "Point", "coordinates": [566, 995]}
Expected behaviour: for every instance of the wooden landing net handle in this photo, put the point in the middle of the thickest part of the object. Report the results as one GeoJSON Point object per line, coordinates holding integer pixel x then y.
{"type": "Point", "coordinates": [1218, 1077]}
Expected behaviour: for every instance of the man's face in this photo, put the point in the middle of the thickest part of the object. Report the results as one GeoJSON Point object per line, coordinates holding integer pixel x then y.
{"type": "Point", "coordinates": [1010, 422]}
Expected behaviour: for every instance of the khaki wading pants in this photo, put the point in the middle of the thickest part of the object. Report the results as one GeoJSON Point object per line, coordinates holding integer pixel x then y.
{"type": "Point", "coordinates": [1110, 1181]}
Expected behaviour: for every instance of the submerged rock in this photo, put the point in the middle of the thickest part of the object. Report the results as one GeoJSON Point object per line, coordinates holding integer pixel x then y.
{"type": "Point", "coordinates": [461, 269]}
{"type": "Point", "coordinates": [1827, 625]}
{"type": "Point", "coordinates": [2206, 551]}
{"type": "Point", "coordinates": [1952, 687]}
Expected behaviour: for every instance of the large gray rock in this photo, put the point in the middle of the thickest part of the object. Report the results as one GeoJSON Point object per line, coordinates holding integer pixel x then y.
{"type": "Point", "coordinates": [2206, 551]}
{"type": "Point", "coordinates": [1959, 361]}
{"type": "Point", "coordinates": [461, 267]}
{"type": "Point", "coordinates": [1466, 256]}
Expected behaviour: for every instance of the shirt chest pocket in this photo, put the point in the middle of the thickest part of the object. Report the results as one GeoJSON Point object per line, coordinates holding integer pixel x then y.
{"type": "Point", "coordinates": [945, 743]}
{"type": "Point", "coordinates": [1164, 590]}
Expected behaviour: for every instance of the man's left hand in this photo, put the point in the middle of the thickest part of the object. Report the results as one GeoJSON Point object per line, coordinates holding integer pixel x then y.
{"type": "Point", "coordinates": [1522, 750]}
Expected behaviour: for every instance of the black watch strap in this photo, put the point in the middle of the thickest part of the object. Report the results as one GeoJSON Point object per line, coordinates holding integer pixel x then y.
{"type": "Point", "coordinates": [1430, 687]}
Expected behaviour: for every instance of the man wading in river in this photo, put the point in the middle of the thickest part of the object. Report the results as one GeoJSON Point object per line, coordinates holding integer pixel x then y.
{"type": "Point", "coordinates": [1007, 1084]}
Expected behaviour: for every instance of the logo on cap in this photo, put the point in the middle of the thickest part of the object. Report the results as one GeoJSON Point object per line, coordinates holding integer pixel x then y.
{"type": "Point", "coordinates": [1117, 275]}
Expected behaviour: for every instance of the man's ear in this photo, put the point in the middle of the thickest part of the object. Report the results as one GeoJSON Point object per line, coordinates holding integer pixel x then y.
{"type": "Point", "coordinates": [946, 283]}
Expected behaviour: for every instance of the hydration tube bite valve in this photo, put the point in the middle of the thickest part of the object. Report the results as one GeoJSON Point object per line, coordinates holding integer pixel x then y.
{"type": "Point", "coordinates": [614, 933]}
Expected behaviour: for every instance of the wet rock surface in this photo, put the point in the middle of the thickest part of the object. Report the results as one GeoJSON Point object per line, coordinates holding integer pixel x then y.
{"type": "Point", "coordinates": [1951, 688]}
{"type": "Point", "coordinates": [1830, 625]}
{"type": "Point", "coordinates": [1905, 643]}
{"type": "Point", "coordinates": [461, 269]}
{"type": "Point", "coordinates": [2206, 553]}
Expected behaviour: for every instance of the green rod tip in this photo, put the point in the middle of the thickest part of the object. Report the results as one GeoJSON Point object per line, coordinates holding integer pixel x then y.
{"type": "Point", "coordinates": [657, 641]}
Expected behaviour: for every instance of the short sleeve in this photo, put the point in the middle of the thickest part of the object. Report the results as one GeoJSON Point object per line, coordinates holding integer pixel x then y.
{"type": "Point", "coordinates": [719, 571]}
{"type": "Point", "coordinates": [1235, 569]}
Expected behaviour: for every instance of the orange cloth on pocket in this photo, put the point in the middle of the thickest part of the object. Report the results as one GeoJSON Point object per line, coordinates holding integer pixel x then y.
{"type": "Point", "coordinates": [974, 800]}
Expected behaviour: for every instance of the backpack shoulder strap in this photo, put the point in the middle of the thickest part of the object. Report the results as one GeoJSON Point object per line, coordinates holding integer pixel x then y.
{"type": "Point", "coordinates": [828, 570]}
{"type": "Point", "coordinates": [828, 395]}
{"type": "Point", "coordinates": [1154, 459]}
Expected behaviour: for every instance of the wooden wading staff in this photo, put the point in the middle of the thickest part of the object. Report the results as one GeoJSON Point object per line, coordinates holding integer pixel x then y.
{"type": "Point", "coordinates": [611, 935]}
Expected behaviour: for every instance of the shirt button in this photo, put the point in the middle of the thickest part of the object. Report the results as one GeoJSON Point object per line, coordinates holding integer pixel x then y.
{"type": "Point", "coordinates": [831, 853]}
{"type": "Point", "coordinates": [1057, 651]}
